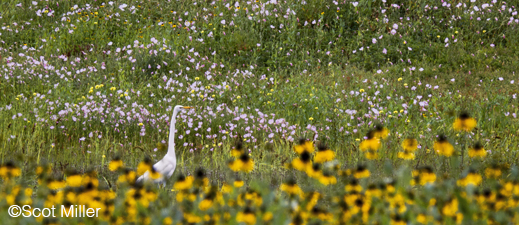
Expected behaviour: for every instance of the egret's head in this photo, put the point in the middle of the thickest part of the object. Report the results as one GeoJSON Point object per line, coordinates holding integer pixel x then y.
{"type": "Point", "coordinates": [179, 108]}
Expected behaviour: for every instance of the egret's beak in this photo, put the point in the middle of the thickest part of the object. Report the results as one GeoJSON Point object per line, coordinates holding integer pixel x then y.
{"type": "Point", "coordinates": [188, 107]}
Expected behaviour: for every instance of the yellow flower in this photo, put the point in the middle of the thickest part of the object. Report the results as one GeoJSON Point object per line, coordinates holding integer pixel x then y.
{"type": "Point", "coordinates": [74, 180]}
{"type": "Point", "coordinates": [370, 144]}
{"type": "Point", "coordinates": [323, 154]}
{"type": "Point", "coordinates": [302, 163]}
{"type": "Point", "coordinates": [191, 218]}
{"type": "Point", "coordinates": [205, 204]}
{"type": "Point", "coordinates": [464, 122]}
{"type": "Point", "coordinates": [314, 171]}
{"type": "Point", "coordinates": [423, 176]}
{"type": "Point", "coordinates": [477, 151]}
{"type": "Point", "coordinates": [406, 155]}
{"type": "Point", "coordinates": [327, 179]}
{"type": "Point", "coordinates": [129, 176]}
{"type": "Point", "coordinates": [361, 90]}
{"type": "Point", "coordinates": [494, 171]}
{"type": "Point", "coordinates": [303, 146]}
{"type": "Point", "coordinates": [311, 118]}
{"type": "Point", "coordinates": [443, 147]}
{"type": "Point", "coordinates": [247, 216]}
{"type": "Point", "coordinates": [154, 174]}
{"type": "Point", "coordinates": [144, 166]}
{"type": "Point", "coordinates": [167, 221]}
{"type": "Point", "coordinates": [353, 186]}
{"type": "Point", "coordinates": [237, 151]}
{"type": "Point", "coordinates": [410, 144]}
{"type": "Point", "coordinates": [238, 183]}
{"type": "Point", "coordinates": [381, 132]}
{"type": "Point", "coordinates": [450, 208]}
{"type": "Point", "coordinates": [472, 178]}
{"type": "Point", "coordinates": [9, 170]}
{"type": "Point", "coordinates": [267, 216]}
{"type": "Point", "coordinates": [226, 188]}
{"type": "Point", "coordinates": [292, 188]}
{"type": "Point", "coordinates": [56, 184]}
{"type": "Point", "coordinates": [244, 163]}
{"type": "Point", "coordinates": [361, 172]}
{"type": "Point", "coordinates": [183, 183]}
{"type": "Point", "coordinates": [115, 164]}
{"type": "Point", "coordinates": [372, 155]}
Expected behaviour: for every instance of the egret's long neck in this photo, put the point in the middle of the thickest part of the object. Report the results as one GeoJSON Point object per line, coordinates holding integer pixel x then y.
{"type": "Point", "coordinates": [171, 143]}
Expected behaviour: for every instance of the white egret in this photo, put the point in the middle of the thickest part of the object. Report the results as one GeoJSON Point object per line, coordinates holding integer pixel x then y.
{"type": "Point", "coordinates": [167, 165]}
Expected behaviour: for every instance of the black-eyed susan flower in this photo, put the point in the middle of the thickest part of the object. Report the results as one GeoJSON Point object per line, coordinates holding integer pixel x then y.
{"type": "Point", "coordinates": [361, 172]}
{"type": "Point", "coordinates": [406, 155]}
{"type": "Point", "coordinates": [422, 219]}
{"type": "Point", "coordinates": [267, 217]}
{"type": "Point", "coordinates": [247, 216]}
{"type": "Point", "coordinates": [238, 183]}
{"type": "Point", "coordinates": [237, 151]}
{"type": "Point", "coordinates": [207, 202]}
{"type": "Point", "coordinates": [292, 188]}
{"type": "Point", "coordinates": [55, 184]}
{"type": "Point", "coordinates": [389, 186]}
{"type": "Point", "coordinates": [9, 170]}
{"type": "Point", "coordinates": [321, 214]}
{"type": "Point", "coordinates": [74, 179]}
{"type": "Point", "coordinates": [381, 132]}
{"type": "Point", "coordinates": [410, 144]}
{"type": "Point", "coordinates": [397, 219]}
{"type": "Point", "coordinates": [327, 178]}
{"type": "Point", "coordinates": [115, 164]}
{"type": "Point", "coordinates": [312, 199]}
{"type": "Point", "coordinates": [353, 186]}
{"type": "Point", "coordinates": [450, 208]}
{"type": "Point", "coordinates": [423, 176]}
{"type": "Point", "coordinates": [361, 204]}
{"type": "Point", "coordinates": [154, 174]}
{"type": "Point", "coordinates": [128, 176]}
{"type": "Point", "coordinates": [477, 151]}
{"type": "Point", "coordinates": [472, 178]}
{"type": "Point", "coordinates": [464, 122]}
{"type": "Point", "coordinates": [200, 178]}
{"type": "Point", "coordinates": [493, 171]}
{"type": "Point", "coordinates": [304, 145]}
{"type": "Point", "coordinates": [251, 197]}
{"type": "Point", "coordinates": [43, 170]}
{"type": "Point", "coordinates": [303, 162]}
{"type": "Point", "coordinates": [90, 178]}
{"type": "Point", "coordinates": [167, 221]}
{"type": "Point", "coordinates": [144, 166]}
{"type": "Point", "coordinates": [226, 188]}
{"type": "Point", "coordinates": [183, 183]}
{"type": "Point", "coordinates": [372, 143]}
{"type": "Point", "coordinates": [244, 163]}
{"type": "Point", "coordinates": [191, 218]}
{"type": "Point", "coordinates": [373, 191]}
{"type": "Point", "coordinates": [443, 147]}
{"type": "Point", "coordinates": [324, 154]}
{"type": "Point", "coordinates": [314, 171]}
{"type": "Point", "coordinates": [372, 155]}
{"type": "Point", "coordinates": [299, 218]}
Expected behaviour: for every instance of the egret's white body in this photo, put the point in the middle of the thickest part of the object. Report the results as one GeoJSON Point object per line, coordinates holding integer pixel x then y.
{"type": "Point", "coordinates": [167, 165]}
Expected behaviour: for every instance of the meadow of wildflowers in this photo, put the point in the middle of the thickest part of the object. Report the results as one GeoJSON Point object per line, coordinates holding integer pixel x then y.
{"type": "Point", "coordinates": [304, 112]}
